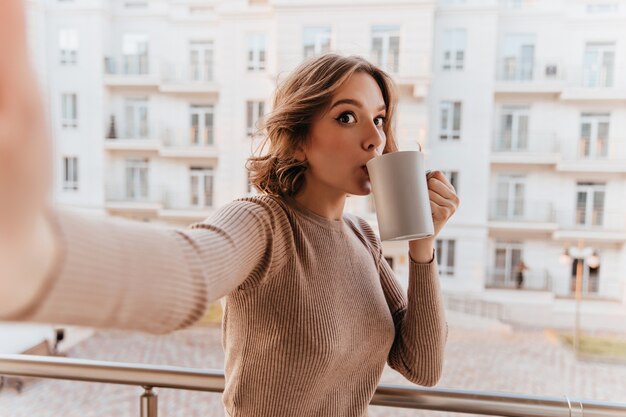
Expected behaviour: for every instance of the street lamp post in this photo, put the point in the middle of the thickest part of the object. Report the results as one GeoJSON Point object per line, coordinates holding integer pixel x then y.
{"type": "Point", "coordinates": [579, 253]}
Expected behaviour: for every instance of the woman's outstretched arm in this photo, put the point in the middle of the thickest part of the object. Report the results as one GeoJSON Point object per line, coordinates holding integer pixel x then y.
{"type": "Point", "coordinates": [110, 272]}
{"type": "Point", "coordinates": [63, 267]}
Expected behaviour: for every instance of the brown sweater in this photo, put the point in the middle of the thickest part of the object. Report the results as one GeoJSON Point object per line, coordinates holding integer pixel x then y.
{"type": "Point", "coordinates": [312, 310]}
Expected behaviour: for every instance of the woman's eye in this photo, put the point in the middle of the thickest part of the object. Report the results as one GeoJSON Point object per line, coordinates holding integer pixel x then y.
{"type": "Point", "coordinates": [346, 118]}
{"type": "Point", "coordinates": [379, 121]}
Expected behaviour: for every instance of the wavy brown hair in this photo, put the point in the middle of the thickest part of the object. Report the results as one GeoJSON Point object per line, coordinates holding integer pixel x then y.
{"type": "Point", "coordinates": [298, 101]}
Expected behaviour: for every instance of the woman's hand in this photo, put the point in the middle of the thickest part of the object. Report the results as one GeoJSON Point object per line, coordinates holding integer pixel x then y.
{"type": "Point", "coordinates": [443, 204]}
{"type": "Point", "coordinates": [25, 173]}
{"type": "Point", "coordinates": [26, 241]}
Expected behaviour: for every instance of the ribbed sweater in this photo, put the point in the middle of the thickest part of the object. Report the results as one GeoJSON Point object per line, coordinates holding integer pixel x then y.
{"type": "Point", "coordinates": [312, 311]}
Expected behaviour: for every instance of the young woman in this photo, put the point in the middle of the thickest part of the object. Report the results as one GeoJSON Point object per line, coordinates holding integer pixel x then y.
{"type": "Point", "coordinates": [312, 312]}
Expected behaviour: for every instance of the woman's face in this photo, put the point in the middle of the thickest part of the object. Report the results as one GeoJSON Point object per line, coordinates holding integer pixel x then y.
{"type": "Point", "coordinates": [345, 137]}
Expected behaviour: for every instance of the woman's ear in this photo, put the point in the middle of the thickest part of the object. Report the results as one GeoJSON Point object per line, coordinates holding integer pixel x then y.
{"type": "Point", "coordinates": [299, 154]}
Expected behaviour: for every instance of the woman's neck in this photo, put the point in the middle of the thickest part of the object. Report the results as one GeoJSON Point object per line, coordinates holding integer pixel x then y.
{"type": "Point", "coordinates": [322, 202]}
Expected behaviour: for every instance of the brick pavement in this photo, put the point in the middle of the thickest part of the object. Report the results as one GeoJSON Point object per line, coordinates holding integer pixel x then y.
{"type": "Point", "coordinates": [480, 355]}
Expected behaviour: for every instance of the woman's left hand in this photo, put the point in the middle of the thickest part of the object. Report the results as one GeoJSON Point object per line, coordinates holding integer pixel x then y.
{"type": "Point", "coordinates": [443, 199]}
{"type": "Point", "coordinates": [443, 204]}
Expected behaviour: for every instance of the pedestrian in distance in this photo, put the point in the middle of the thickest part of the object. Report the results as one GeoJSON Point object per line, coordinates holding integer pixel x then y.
{"type": "Point", "coordinates": [312, 312]}
{"type": "Point", "coordinates": [520, 268]}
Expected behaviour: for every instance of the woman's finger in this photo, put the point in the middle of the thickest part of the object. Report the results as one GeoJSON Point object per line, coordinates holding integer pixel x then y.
{"type": "Point", "coordinates": [442, 202]}
{"type": "Point", "coordinates": [439, 176]}
{"type": "Point", "coordinates": [443, 190]}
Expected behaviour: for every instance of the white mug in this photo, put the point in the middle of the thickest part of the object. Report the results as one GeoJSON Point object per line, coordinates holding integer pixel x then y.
{"type": "Point", "coordinates": [401, 196]}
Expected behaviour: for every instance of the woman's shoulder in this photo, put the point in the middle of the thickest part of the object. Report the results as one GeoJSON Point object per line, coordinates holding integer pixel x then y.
{"type": "Point", "coordinates": [363, 228]}
{"type": "Point", "coordinates": [270, 205]}
{"type": "Point", "coordinates": [261, 208]}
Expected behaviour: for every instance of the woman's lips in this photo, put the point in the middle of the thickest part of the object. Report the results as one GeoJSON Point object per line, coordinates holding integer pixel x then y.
{"type": "Point", "coordinates": [364, 168]}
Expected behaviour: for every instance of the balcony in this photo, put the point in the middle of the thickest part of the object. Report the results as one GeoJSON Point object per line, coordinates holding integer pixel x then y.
{"type": "Point", "coordinates": [149, 377]}
{"type": "Point", "coordinates": [188, 79]}
{"type": "Point", "coordinates": [192, 143]}
{"type": "Point", "coordinates": [595, 83]}
{"type": "Point", "coordinates": [598, 155]}
{"type": "Point", "coordinates": [416, 86]}
{"type": "Point", "coordinates": [127, 144]}
{"type": "Point", "coordinates": [129, 71]}
{"type": "Point", "coordinates": [119, 199]}
{"type": "Point", "coordinates": [598, 225]}
{"type": "Point", "coordinates": [534, 148]}
{"type": "Point", "coordinates": [521, 216]}
{"type": "Point", "coordinates": [514, 76]}
{"type": "Point", "coordinates": [534, 280]}
{"type": "Point", "coordinates": [186, 207]}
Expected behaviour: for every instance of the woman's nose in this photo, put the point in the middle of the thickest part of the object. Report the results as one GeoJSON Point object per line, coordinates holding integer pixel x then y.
{"type": "Point", "coordinates": [375, 139]}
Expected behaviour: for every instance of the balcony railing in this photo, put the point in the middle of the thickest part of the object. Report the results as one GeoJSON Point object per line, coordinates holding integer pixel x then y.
{"type": "Point", "coordinates": [521, 210]}
{"type": "Point", "coordinates": [149, 377]}
{"type": "Point", "coordinates": [195, 73]}
{"type": "Point", "coordinates": [597, 219]}
{"type": "Point", "coordinates": [517, 70]}
{"type": "Point", "coordinates": [528, 142]}
{"type": "Point", "coordinates": [535, 280]}
{"type": "Point", "coordinates": [127, 65]}
{"type": "Point", "coordinates": [601, 149]}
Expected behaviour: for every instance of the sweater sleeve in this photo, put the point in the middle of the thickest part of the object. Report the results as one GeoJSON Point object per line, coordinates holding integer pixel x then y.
{"type": "Point", "coordinates": [122, 274]}
{"type": "Point", "coordinates": [421, 329]}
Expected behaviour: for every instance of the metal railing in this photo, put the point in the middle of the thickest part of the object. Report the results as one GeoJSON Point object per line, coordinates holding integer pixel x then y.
{"type": "Point", "coordinates": [149, 377]}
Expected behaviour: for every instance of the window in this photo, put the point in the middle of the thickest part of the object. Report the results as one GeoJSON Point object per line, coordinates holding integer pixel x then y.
{"type": "Point", "coordinates": [70, 173]}
{"type": "Point", "coordinates": [137, 179]}
{"type": "Point", "coordinates": [453, 49]}
{"type": "Point", "coordinates": [591, 278]}
{"type": "Point", "coordinates": [69, 111]}
{"type": "Point", "coordinates": [256, 52]}
{"type": "Point", "coordinates": [509, 204]}
{"type": "Point", "coordinates": [136, 118]}
{"type": "Point", "coordinates": [590, 204]}
{"type": "Point", "coordinates": [254, 112]}
{"type": "Point", "coordinates": [135, 54]}
{"type": "Point", "coordinates": [594, 136]}
{"type": "Point", "coordinates": [201, 125]}
{"type": "Point", "coordinates": [201, 185]}
{"type": "Point", "coordinates": [598, 65]}
{"type": "Point", "coordinates": [450, 120]}
{"type": "Point", "coordinates": [386, 47]}
{"type": "Point", "coordinates": [68, 46]}
{"type": "Point", "coordinates": [453, 177]}
{"type": "Point", "coordinates": [508, 254]}
{"type": "Point", "coordinates": [518, 57]}
{"type": "Point", "coordinates": [201, 61]}
{"type": "Point", "coordinates": [316, 41]}
{"type": "Point", "coordinates": [136, 5]}
{"type": "Point", "coordinates": [602, 8]}
{"type": "Point", "coordinates": [517, 4]}
{"type": "Point", "coordinates": [445, 249]}
{"type": "Point", "coordinates": [513, 129]}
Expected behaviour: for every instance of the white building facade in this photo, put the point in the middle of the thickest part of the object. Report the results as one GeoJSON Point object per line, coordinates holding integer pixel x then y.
{"type": "Point", "coordinates": [154, 103]}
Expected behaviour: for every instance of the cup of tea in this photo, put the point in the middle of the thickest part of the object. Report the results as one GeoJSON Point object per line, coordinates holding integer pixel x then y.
{"type": "Point", "coordinates": [401, 196]}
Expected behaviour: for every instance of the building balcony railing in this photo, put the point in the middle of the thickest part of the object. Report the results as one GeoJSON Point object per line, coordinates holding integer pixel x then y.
{"type": "Point", "coordinates": [188, 78]}
{"type": "Point", "coordinates": [149, 377]}
{"type": "Point", "coordinates": [534, 280]}
{"type": "Point", "coordinates": [192, 142]}
{"type": "Point", "coordinates": [129, 70]}
{"type": "Point", "coordinates": [521, 211]}
{"type": "Point", "coordinates": [188, 206]}
{"type": "Point", "coordinates": [513, 74]}
{"type": "Point", "coordinates": [596, 219]}
{"type": "Point", "coordinates": [594, 155]}
{"type": "Point", "coordinates": [525, 148]}
{"type": "Point", "coordinates": [136, 198]}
